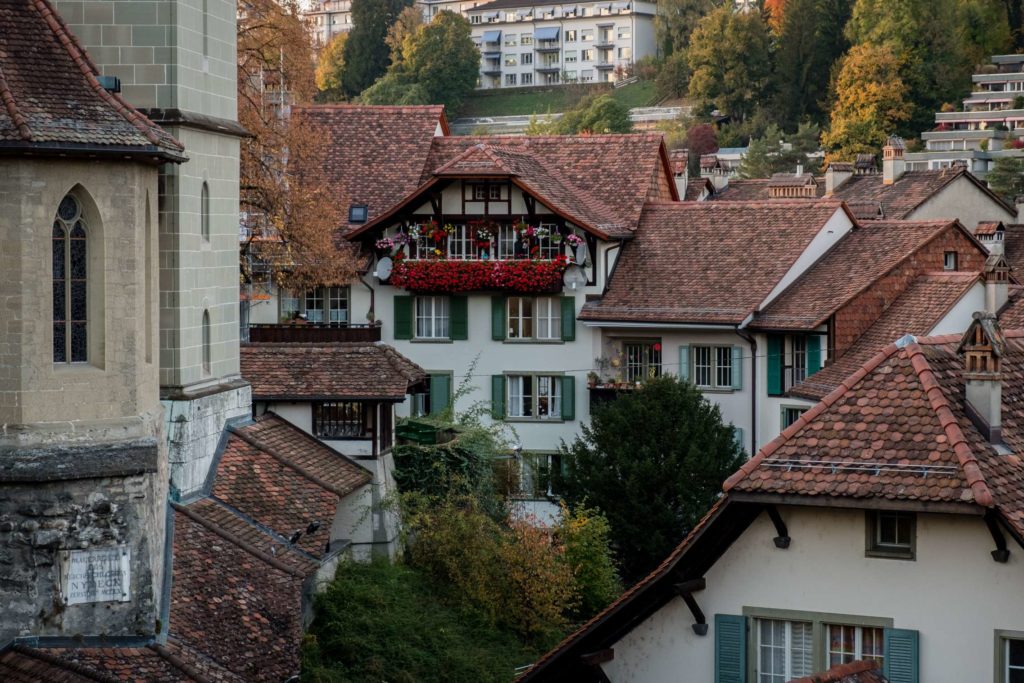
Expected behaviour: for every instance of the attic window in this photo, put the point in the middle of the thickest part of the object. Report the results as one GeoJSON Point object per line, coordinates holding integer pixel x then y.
{"type": "Point", "coordinates": [357, 213]}
{"type": "Point", "coordinates": [891, 535]}
{"type": "Point", "coordinates": [949, 260]}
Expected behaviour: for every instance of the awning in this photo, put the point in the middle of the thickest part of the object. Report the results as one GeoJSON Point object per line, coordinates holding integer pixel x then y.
{"type": "Point", "coordinates": [547, 33]}
{"type": "Point", "coordinates": [492, 36]}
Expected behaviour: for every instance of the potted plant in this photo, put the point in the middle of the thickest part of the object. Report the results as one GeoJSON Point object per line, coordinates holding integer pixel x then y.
{"type": "Point", "coordinates": [592, 379]}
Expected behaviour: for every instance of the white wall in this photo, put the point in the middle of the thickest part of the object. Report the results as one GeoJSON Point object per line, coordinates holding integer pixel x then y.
{"type": "Point", "coordinates": [959, 317]}
{"type": "Point", "coordinates": [962, 199]}
{"type": "Point", "coordinates": [953, 593]}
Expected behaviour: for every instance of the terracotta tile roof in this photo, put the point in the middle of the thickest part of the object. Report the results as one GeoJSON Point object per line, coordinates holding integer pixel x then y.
{"type": "Point", "coordinates": [250, 619]}
{"type": "Point", "coordinates": [744, 191]}
{"type": "Point", "coordinates": [339, 371]}
{"type": "Point", "coordinates": [708, 262]}
{"type": "Point", "coordinates": [21, 664]}
{"type": "Point", "coordinates": [862, 671]}
{"type": "Point", "coordinates": [1011, 317]}
{"type": "Point", "coordinates": [698, 186]}
{"type": "Point", "coordinates": [909, 191]}
{"type": "Point", "coordinates": [897, 430]}
{"type": "Point", "coordinates": [1013, 247]}
{"type": "Point", "coordinates": [988, 228]}
{"type": "Point", "coordinates": [792, 180]}
{"type": "Point", "coordinates": [862, 256]}
{"type": "Point", "coordinates": [276, 476]}
{"type": "Point", "coordinates": [168, 662]}
{"type": "Point", "coordinates": [917, 310]}
{"type": "Point", "coordinates": [50, 98]}
{"type": "Point", "coordinates": [377, 154]}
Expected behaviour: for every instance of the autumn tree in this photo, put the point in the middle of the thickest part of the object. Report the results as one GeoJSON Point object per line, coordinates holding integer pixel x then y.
{"type": "Point", "coordinates": [775, 11]}
{"type": "Point", "coordinates": [290, 219]}
{"type": "Point", "coordinates": [675, 21]}
{"type": "Point", "coordinates": [701, 139]}
{"type": "Point", "coordinates": [366, 52]}
{"type": "Point", "coordinates": [870, 102]}
{"type": "Point", "coordinates": [730, 61]}
{"type": "Point", "coordinates": [408, 24]}
{"type": "Point", "coordinates": [330, 69]}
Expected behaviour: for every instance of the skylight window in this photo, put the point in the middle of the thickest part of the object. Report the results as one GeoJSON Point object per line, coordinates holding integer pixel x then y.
{"type": "Point", "coordinates": [357, 213]}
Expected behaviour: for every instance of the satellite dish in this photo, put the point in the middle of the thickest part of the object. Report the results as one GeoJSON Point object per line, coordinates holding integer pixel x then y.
{"type": "Point", "coordinates": [384, 267]}
{"type": "Point", "coordinates": [574, 277]}
{"type": "Point", "coordinates": [581, 254]}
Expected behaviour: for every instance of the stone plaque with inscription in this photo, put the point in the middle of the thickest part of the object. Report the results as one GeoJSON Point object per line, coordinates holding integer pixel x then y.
{"type": "Point", "coordinates": [100, 575]}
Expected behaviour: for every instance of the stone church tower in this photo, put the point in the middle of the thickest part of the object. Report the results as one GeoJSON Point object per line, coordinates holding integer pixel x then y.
{"type": "Point", "coordinates": [176, 62]}
{"type": "Point", "coordinates": [83, 458]}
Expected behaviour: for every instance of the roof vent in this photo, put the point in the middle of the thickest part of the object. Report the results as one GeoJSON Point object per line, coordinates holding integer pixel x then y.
{"type": "Point", "coordinates": [110, 83]}
{"type": "Point", "coordinates": [357, 213]}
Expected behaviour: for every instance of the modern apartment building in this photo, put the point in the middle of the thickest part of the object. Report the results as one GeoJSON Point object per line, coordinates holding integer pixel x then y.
{"type": "Point", "coordinates": [545, 42]}
{"type": "Point", "coordinates": [989, 126]}
{"type": "Point", "coordinates": [328, 18]}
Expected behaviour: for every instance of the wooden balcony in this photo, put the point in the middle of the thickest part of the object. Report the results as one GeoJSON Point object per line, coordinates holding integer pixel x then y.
{"type": "Point", "coordinates": [314, 333]}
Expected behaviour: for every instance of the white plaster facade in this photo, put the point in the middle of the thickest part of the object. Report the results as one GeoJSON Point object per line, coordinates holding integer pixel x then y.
{"type": "Point", "coordinates": [957, 600]}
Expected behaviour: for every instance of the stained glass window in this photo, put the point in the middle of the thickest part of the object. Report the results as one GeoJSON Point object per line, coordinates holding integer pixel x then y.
{"type": "Point", "coordinates": [70, 283]}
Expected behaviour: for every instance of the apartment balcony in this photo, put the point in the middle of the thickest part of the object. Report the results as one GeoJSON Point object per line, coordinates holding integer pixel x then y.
{"type": "Point", "coordinates": [548, 68]}
{"type": "Point", "coordinates": [604, 66]}
{"type": "Point", "coordinates": [314, 333]}
{"type": "Point", "coordinates": [546, 47]}
{"type": "Point", "coordinates": [605, 44]}
{"type": "Point", "coordinates": [491, 71]}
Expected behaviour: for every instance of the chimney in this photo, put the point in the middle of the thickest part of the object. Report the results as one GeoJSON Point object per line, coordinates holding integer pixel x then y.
{"type": "Point", "coordinates": [836, 174]}
{"type": "Point", "coordinates": [799, 169]}
{"type": "Point", "coordinates": [983, 346]}
{"type": "Point", "coordinates": [997, 283]}
{"type": "Point", "coordinates": [893, 163]}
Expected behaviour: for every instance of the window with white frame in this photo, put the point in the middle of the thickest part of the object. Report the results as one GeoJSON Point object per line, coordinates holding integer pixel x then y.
{"type": "Point", "coordinates": [510, 79]}
{"type": "Point", "coordinates": [527, 79]}
{"type": "Point", "coordinates": [1010, 649]}
{"type": "Point", "coordinates": [322, 304]}
{"type": "Point", "coordinates": [712, 367]}
{"type": "Point", "coordinates": [526, 39]}
{"type": "Point", "coordinates": [785, 650]}
{"type": "Point", "coordinates": [507, 242]}
{"type": "Point", "coordinates": [587, 35]}
{"type": "Point", "coordinates": [526, 58]}
{"type": "Point", "coordinates": [432, 317]}
{"type": "Point", "coordinates": [587, 75]}
{"type": "Point", "coordinates": [624, 33]}
{"type": "Point", "coordinates": [510, 40]}
{"type": "Point", "coordinates": [536, 397]}
{"type": "Point", "coordinates": [570, 56]}
{"type": "Point", "coordinates": [534, 318]}
{"type": "Point", "coordinates": [625, 53]}
{"type": "Point", "coordinates": [790, 414]}
{"type": "Point", "coordinates": [461, 244]}
{"type": "Point", "coordinates": [510, 60]}
{"type": "Point", "coordinates": [570, 36]}
{"type": "Point", "coordinates": [547, 247]}
{"type": "Point", "coordinates": [850, 643]}
{"type": "Point", "coordinates": [799, 358]}
{"type": "Point", "coordinates": [891, 534]}
{"type": "Point", "coordinates": [643, 360]}
{"type": "Point", "coordinates": [587, 55]}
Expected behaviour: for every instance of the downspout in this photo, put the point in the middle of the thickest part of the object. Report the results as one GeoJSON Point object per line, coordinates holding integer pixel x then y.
{"type": "Point", "coordinates": [371, 315]}
{"type": "Point", "coordinates": [743, 334]}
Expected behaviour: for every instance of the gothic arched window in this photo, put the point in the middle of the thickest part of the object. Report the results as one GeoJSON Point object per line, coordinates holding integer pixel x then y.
{"type": "Point", "coordinates": [70, 271]}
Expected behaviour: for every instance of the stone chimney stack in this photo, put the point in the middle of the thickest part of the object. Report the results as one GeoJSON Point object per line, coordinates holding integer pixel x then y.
{"type": "Point", "coordinates": [836, 174]}
{"type": "Point", "coordinates": [997, 283]}
{"type": "Point", "coordinates": [983, 346]}
{"type": "Point", "coordinates": [893, 163]}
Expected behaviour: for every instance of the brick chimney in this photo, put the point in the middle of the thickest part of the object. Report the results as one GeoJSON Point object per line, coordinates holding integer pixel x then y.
{"type": "Point", "coordinates": [893, 163]}
{"type": "Point", "coordinates": [836, 174]}
{"type": "Point", "coordinates": [983, 346]}
{"type": "Point", "coordinates": [997, 282]}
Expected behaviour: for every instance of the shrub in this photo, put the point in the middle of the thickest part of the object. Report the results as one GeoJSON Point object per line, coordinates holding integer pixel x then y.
{"type": "Point", "coordinates": [586, 536]}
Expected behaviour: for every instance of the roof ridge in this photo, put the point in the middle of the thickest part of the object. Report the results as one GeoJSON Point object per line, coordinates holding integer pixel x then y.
{"type": "Point", "coordinates": [944, 411]}
{"type": "Point", "coordinates": [228, 536]}
{"type": "Point", "coordinates": [808, 415]}
{"type": "Point", "coordinates": [80, 57]}
{"type": "Point", "coordinates": [12, 108]}
{"type": "Point", "coordinates": [73, 667]}
{"type": "Point", "coordinates": [178, 663]}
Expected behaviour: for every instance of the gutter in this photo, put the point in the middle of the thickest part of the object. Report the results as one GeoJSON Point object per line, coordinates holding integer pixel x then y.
{"type": "Point", "coordinates": [741, 331]}
{"type": "Point", "coordinates": [371, 314]}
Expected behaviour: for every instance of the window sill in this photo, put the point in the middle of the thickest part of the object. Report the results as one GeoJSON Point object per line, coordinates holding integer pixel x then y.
{"type": "Point", "coordinates": [83, 368]}
{"type": "Point", "coordinates": [534, 420]}
{"type": "Point", "coordinates": [890, 554]}
{"type": "Point", "coordinates": [715, 390]}
{"type": "Point", "coordinates": [431, 341]}
{"type": "Point", "coordinates": [533, 341]}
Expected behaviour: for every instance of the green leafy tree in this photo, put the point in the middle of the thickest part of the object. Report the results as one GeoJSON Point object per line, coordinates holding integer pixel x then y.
{"type": "Point", "coordinates": [1015, 19]}
{"type": "Point", "coordinates": [675, 21]}
{"type": "Point", "coordinates": [673, 78]}
{"type": "Point", "coordinates": [395, 88]}
{"type": "Point", "coordinates": [870, 102]}
{"type": "Point", "coordinates": [778, 153]}
{"type": "Point", "coordinates": [586, 535]}
{"type": "Point", "coordinates": [442, 58]}
{"type": "Point", "coordinates": [330, 70]}
{"type": "Point", "coordinates": [653, 461]}
{"type": "Point", "coordinates": [984, 29]}
{"type": "Point", "coordinates": [366, 54]}
{"type": "Point", "coordinates": [1006, 178]}
{"type": "Point", "coordinates": [730, 60]}
{"type": "Point", "coordinates": [597, 114]}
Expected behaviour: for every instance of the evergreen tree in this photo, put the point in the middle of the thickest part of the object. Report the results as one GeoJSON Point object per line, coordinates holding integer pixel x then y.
{"type": "Point", "coordinates": [1006, 178]}
{"type": "Point", "coordinates": [366, 54]}
{"type": "Point", "coordinates": [676, 20]}
{"type": "Point", "coordinates": [730, 60]}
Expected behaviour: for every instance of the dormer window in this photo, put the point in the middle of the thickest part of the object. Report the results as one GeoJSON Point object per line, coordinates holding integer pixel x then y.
{"type": "Point", "coordinates": [358, 213]}
{"type": "Point", "coordinates": [949, 260]}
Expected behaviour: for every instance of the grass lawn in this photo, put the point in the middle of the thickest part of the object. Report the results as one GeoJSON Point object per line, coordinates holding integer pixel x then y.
{"type": "Point", "coordinates": [555, 99]}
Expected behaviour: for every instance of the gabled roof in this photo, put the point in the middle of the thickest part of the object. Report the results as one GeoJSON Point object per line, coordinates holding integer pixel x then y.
{"type": "Point", "coordinates": [51, 101]}
{"type": "Point", "coordinates": [698, 186]}
{"type": "Point", "coordinates": [708, 262]}
{"type": "Point", "coordinates": [339, 371]}
{"type": "Point", "coordinates": [917, 311]}
{"type": "Point", "coordinates": [910, 190]}
{"type": "Point", "coordinates": [599, 182]}
{"type": "Point", "coordinates": [864, 255]}
{"type": "Point", "coordinates": [739, 190]}
{"type": "Point", "coordinates": [376, 154]}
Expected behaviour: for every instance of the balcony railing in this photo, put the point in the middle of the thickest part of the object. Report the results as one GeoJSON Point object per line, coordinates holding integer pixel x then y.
{"type": "Point", "coordinates": [314, 333]}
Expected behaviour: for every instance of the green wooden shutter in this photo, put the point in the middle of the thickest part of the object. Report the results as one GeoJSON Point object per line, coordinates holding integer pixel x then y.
{"type": "Point", "coordinates": [568, 397]}
{"type": "Point", "coordinates": [737, 368]}
{"type": "Point", "coordinates": [440, 393]}
{"type": "Point", "coordinates": [568, 318]}
{"type": "Point", "coordinates": [730, 648]}
{"type": "Point", "coordinates": [776, 346]}
{"type": "Point", "coordinates": [498, 397]}
{"type": "Point", "coordinates": [901, 656]}
{"type": "Point", "coordinates": [684, 362]}
{"type": "Point", "coordinates": [813, 354]}
{"type": "Point", "coordinates": [403, 317]}
{"type": "Point", "coordinates": [498, 326]}
{"type": "Point", "coordinates": [458, 322]}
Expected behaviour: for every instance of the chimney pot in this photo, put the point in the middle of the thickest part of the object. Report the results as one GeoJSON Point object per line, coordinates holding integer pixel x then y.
{"type": "Point", "coordinates": [983, 345]}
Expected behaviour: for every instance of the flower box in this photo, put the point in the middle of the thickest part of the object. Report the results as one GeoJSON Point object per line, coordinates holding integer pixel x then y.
{"type": "Point", "coordinates": [441, 275]}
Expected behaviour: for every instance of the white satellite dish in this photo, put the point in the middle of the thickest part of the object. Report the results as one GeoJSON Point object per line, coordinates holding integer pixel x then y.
{"type": "Point", "coordinates": [581, 254]}
{"type": "Point", "coordinates": [384, 268]}
{"type": "Point", "coordinates": [574, 277]}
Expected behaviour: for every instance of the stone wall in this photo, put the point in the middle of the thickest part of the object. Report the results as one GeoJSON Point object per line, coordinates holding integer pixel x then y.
{"type": "Point", "coordinates": [42, 520]}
